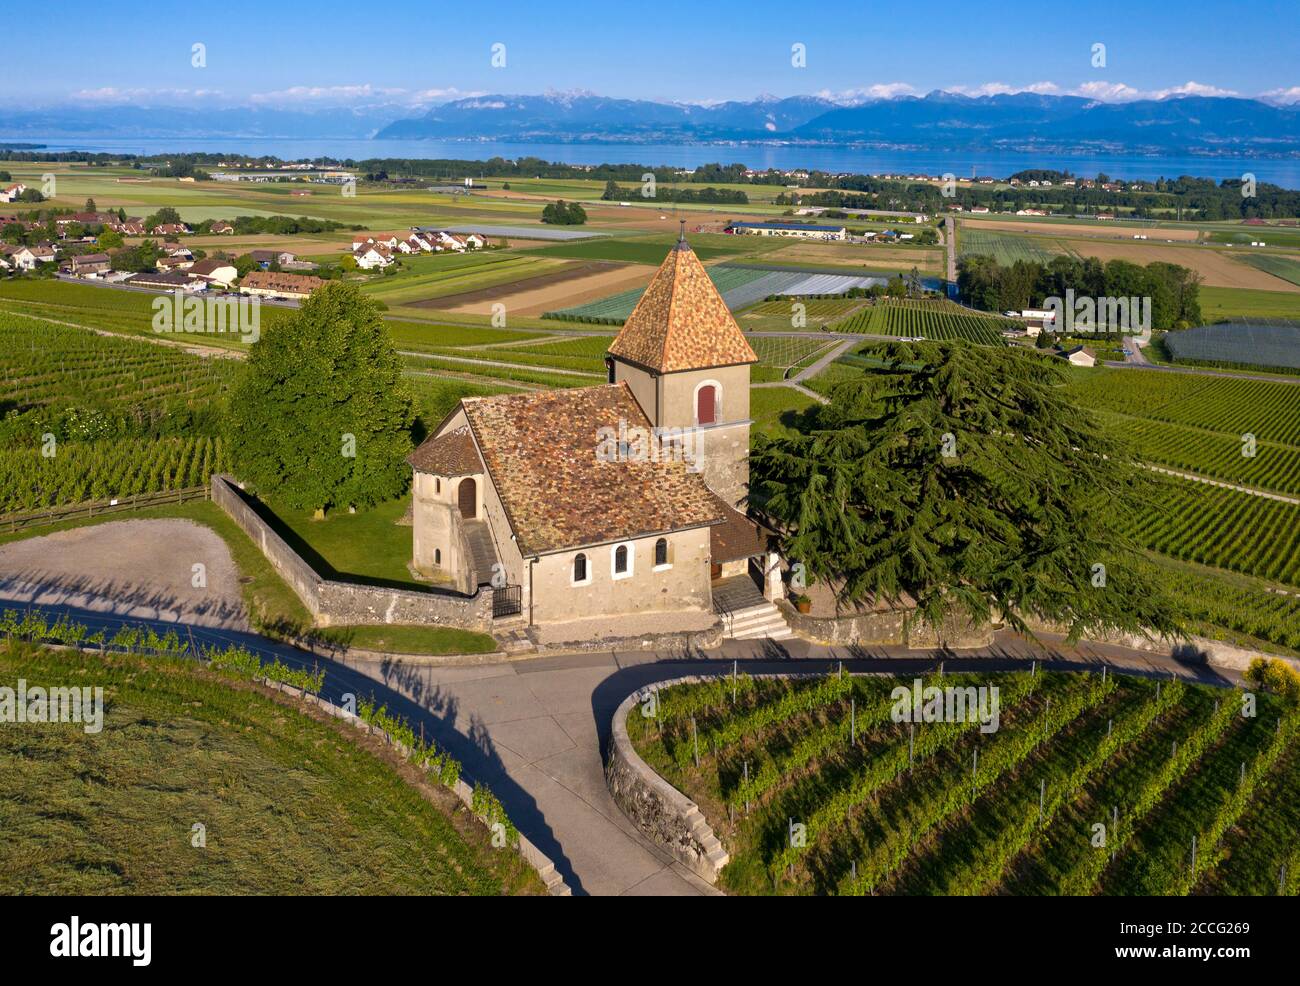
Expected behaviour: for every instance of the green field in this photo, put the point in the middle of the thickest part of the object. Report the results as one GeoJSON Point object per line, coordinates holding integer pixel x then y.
{"type": "Point", "coordinates": [646, 250]}
{"type": "Point", "coordinates": [1224, 303]}
{"type": "Point", "coordinates": [815, 787]}
{"type": "Point", "coordinates": [1287, 268]}
{"type": "Point", "coordinates": [778, 315]}
{"type": "Point", "coordinates": [941, 321]}
{"type": "Point", "coordinates": [615, 309]}
{"type": "Point", "coordinates": [1223, 528]}
{"type": "Point", "coordinates": [1272, 235]}
{"type": "Point", "coordinates": [290, 802]}
{"type": "Point", "coordinates": [427, 278]}
{"type": "Point", "coordinates": [1233, 406]}
{"type": "Point", "coordinates": [774, 410]}
{"type": "Point", "coordinates": [1005, 248]}
{"type": "Point", "coordinates": [87, 416]}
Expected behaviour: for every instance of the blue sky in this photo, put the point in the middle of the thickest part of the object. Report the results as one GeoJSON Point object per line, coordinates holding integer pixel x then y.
{"type": "Point", "coordinates": [285, 53]}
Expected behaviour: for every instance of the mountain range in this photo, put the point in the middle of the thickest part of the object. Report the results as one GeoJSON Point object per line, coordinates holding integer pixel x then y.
{"type": "Point", "coordinates": [939, 120]}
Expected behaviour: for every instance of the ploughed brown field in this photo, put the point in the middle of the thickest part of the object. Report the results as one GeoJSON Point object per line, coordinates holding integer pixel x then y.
{"type": "Point", "coordinates": [1100, 229]}
{"type": "Point", "coordinates": [1218, 268]}
{"type": "Point", "coordinates": [871, 255]}
{"type": "Point", "coordinates": [574, 284]}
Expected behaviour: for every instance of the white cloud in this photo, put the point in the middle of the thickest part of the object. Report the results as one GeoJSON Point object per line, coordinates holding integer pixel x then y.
{"type": "Point", "coordinates": [1122, 92]}
{"type": "Point", "coordinates": [879, 90]}
{"type": "Point", "coordinates": [1192, 89]}
{"type": "Point", "coordinates": [1107, 92]}
{"type": "Point", "coordinates": [1284, 97]}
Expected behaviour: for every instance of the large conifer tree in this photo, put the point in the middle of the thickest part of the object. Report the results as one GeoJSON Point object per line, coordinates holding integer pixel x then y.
{"type": "Point", "coordinates": [964, 478]}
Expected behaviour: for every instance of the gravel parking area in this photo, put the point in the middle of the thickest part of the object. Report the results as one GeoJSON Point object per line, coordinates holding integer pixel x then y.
{"type": "Point", "coordinates": [136, 568]}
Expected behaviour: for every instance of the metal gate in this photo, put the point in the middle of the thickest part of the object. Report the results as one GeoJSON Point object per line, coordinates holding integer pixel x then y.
{"type": "Point", "coordinates": [507, 601]}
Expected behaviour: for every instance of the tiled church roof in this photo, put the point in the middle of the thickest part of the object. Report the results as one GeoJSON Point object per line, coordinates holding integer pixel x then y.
{"type": "Point", "coordinates": [449, 454]}
{"type": "Point", "coordinates": [542, 451]}
{"type": "Point", "coordinates": [681, 322]}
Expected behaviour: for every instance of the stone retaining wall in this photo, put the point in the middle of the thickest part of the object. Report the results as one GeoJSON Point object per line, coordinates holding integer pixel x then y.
{"type": "Point", "coordinates": [334, 603]}
{"type": "Point", "coordinates": [666, 816]}
{"type": "Point", "coordinates": [885, 627]}
{"type": "Point", "coordinates": [1215, 653]}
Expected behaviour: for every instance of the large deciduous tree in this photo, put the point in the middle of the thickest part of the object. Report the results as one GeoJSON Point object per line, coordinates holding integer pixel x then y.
{"type": "Point", "coordinates": [321, 416]}
{"type": "Point", "coordinates": [964, 478]}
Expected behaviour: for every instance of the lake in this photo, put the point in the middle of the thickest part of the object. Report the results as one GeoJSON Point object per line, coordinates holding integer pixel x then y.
{"type": "Point", "coordinates": [1284, 172]}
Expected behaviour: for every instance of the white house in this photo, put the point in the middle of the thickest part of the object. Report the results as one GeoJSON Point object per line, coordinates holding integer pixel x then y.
{"type": "Point", "coordinates": [219, 272]}
{"type": "Point", "coordinates": [26, 258]}
{"type": "Point", "coordinates": [375, 256]}
{"type": "Point", "coordinates": [1079, 356]}
{"type": "Point", "coordinates": [11, 193]}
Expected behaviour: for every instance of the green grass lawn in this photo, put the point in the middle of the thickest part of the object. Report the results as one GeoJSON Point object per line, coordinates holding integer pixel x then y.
{"type": "Point", "coordinates": [290, 802]}
{"type": "Point", "coordinates": [411, 639]}
{"type": "Point", "coordinates": [367, 546]}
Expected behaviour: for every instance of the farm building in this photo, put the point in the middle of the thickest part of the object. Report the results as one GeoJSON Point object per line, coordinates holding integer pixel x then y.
{"type": "Point", "coordinates": [271, 284]}
{"type": "Point", "coordinates": [808, 231]}
{"type": "Point", "coordinates": [1078, 356]}
{"type": "Point", "coordinates": [89, 264]}
{"type": "Point", "coordinates": [166, 281]}
{"type": "Point", "coordinates": [219, 272]}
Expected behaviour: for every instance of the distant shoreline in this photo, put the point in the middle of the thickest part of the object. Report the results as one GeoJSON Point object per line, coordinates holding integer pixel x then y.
{"type": "Point", "coordinates": [783, 155]}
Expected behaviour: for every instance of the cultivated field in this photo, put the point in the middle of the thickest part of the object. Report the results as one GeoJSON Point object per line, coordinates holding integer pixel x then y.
{"type": "Point", "coordinates": [816, 787]}
{"type": "Point", "coordinates": [940, 321]}
{"type": "Point", "coordinates": [1219, 268]}
{"type": "Point", "coordinates": [1287, 268]}
{"type": "Point", "coordinates": [570, 286]}
{"type": "Point", "coordinates": [1096, 230]}
{"type": "Point", "coordinates": [871, 256]}
{"type": "Point", "coordinates": [1007, 248]}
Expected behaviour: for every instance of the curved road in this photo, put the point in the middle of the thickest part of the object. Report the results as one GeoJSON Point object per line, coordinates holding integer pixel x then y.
{"type": "Point", "coordinates": [534, 729]}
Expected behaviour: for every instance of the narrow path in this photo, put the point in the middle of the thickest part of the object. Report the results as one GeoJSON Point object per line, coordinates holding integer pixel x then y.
{"type": "Point", "coordinates": [512, 366]}
{"type": "Point", "coordinates": [1197, 478]}
{"type": "Point", "coordinates": [826, 360]}
{"type": "Point", "coordinates": [1201, 371]}
{"type": "Point", "coordinates": [951, 238]}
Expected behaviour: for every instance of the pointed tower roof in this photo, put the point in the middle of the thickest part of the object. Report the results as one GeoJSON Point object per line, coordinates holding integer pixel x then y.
{"type": "Point", "coordinates": [681, 322]}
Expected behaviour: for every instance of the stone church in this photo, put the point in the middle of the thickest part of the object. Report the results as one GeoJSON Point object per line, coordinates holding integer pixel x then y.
{"type": "Point", "coordinates": [614, 501]}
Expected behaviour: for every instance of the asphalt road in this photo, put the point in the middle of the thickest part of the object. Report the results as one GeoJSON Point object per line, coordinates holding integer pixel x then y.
{"type": "Point", "coordinates": [534, 730]}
